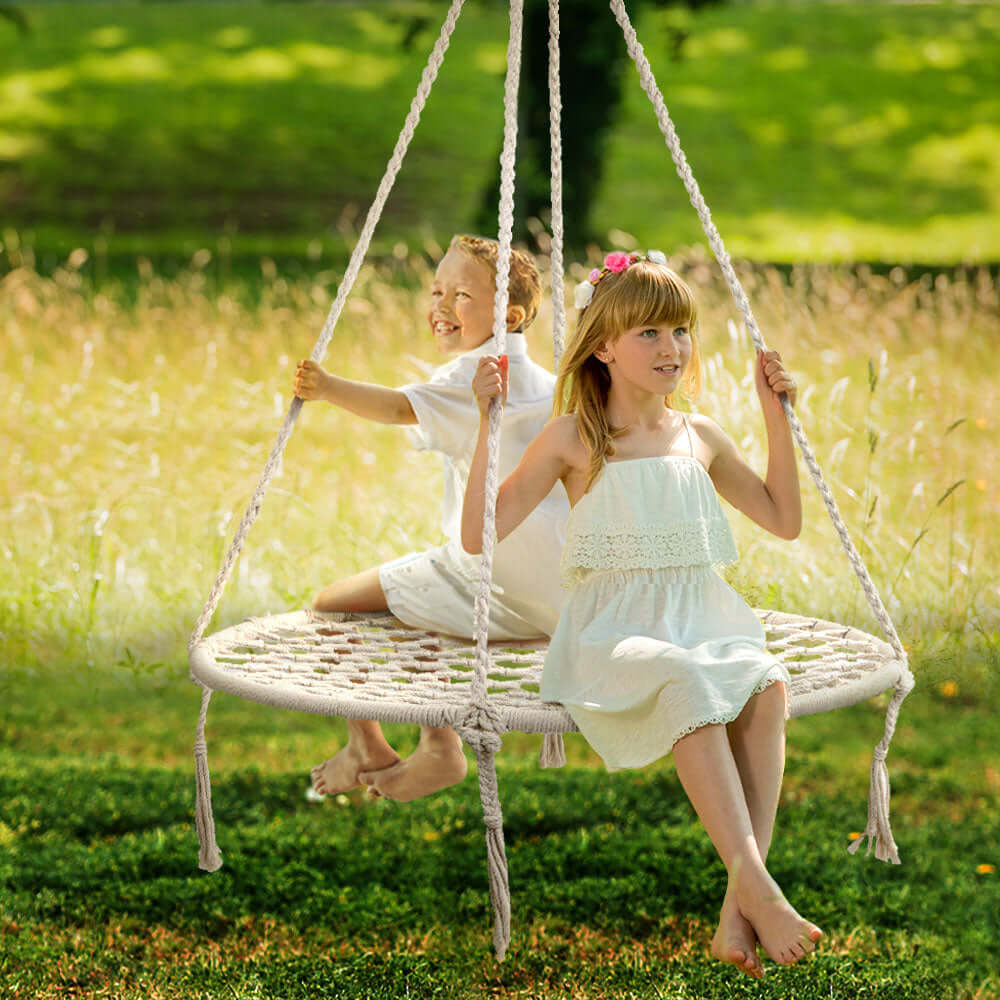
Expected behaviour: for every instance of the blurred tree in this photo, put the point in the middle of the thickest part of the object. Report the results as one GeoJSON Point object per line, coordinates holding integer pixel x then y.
{"type": "Point", "coordinates": [592, 59]}
{"type": "Point", "coordinates": [16, 16]}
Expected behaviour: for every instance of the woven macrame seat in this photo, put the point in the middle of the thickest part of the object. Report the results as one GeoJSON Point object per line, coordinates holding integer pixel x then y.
{"type": "Point", "coordinates": [371, 666]}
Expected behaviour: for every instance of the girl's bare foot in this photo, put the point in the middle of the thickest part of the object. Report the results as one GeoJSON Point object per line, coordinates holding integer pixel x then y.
{"type": "Point", "coordinates": [437, 763]}
{"type": "Point", "coordinates": [785, 935]}
{"type": "Point", "coordinates": [344, 769]}
{"type": "Point", "coordinates": [736, 941]}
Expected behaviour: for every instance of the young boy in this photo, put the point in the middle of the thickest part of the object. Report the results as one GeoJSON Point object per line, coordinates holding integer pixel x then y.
{"type": "Point", "coordinates": [436, 589]}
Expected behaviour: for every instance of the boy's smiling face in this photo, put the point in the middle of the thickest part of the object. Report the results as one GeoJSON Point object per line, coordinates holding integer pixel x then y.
{"type": "Point", "coordinates": [461, 312]}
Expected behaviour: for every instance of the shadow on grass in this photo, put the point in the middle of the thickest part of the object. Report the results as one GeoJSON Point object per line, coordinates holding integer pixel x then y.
{"type": "Point", "coordinates": [615, 888]}
{"type": "Point", "coordinates": [90, 842]}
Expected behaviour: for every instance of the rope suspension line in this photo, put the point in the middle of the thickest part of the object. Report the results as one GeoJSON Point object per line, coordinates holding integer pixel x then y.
{"type": "Point", "coordinates": [370, 666]}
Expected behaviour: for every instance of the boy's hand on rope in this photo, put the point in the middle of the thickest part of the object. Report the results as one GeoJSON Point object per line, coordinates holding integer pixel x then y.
{"type": "Point", "coordinates": [772, 380]}
{"type": "Point", "coordinates": [310, 380]}
{"type": "Point", "coordinates": [490, 381]}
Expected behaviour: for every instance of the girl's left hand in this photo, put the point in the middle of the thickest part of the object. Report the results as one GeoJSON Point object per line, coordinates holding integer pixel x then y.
{"type": "Point", "coordinates": [490, 381]}
{"type": "Point", "coordinates": [772, 379]}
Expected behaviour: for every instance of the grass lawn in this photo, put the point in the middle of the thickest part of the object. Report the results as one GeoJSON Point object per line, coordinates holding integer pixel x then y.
{"type": "Point", "coordinates": [133, 429]}
{"type": "Point", "coordinates": [847, 131]}
{"type": "Point", "coordinates": [615, 887]}
{"type": "Point", "coordinates": [821, 132]}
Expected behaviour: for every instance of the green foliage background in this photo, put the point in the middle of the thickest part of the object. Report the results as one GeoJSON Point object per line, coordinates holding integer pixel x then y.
{"type": "Point", "coordinates": [188, 178]}
{"type": "Point", "coordinates": [818, 131]}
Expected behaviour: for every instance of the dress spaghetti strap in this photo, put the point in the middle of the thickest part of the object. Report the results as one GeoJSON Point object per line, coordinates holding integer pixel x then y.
{"type": "Point", "coordinates": [687, 427]}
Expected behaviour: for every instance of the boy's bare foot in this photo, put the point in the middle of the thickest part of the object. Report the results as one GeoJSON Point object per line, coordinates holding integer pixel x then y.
{"type": "Point", "coordinates": [344, 769]}
{"type": "Point", "coordinates": [736, 941]}
{"type": "Point", "coordinates": [437, 763]}
{"type": "Point", "coordinates": [785, 935]}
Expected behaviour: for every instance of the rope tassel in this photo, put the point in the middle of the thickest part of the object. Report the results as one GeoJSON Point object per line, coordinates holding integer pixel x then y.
{"type": "Point", "coordinates": [209, 857]}
{"type": "Point", "coordinates": [878, 832]}
{"type": "Point", "coordinates": [553, 752]}
{"type": "Point", "coordinates": [496, 854]}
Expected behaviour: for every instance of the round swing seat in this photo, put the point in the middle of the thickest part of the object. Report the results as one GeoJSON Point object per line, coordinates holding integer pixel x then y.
{"type": "Point", "coordinates": [371, 666]}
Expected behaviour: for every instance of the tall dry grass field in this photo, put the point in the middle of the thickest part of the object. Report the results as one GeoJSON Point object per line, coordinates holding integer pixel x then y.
{"type": "Point", "coordinates": [135, 426]}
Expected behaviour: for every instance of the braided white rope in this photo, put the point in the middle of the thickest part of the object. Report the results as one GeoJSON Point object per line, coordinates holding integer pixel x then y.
{"type": "Point", "coordinates": [555, 141]}
{"type": "Point", "coordinates": [209, 857]}
{"type": "Point", "coordinates": [505, 230]}
{"type": "Point", "coordinates": [496, 855]}
{"type": "Point", "coordinates": [319, 349]}
{"type": "Point", "coordinates": [635, 50]}
{"type": "Point", "coordinates": [482, 724]}
{"type": "Point", "coordinates": [878, 819]}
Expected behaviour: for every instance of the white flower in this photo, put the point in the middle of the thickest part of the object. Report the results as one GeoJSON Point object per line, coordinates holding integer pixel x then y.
{"type": "Point", "coordinates": [657, 257]}
{"type": "Point", "coordinates": [582, 295]}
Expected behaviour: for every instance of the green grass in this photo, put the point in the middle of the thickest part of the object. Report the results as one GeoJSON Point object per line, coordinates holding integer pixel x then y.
{"type": "Point", "coordinates": [181, 119]}
{"type": "Point", "coordinates": [133, 425]}
{"type": "Point", "coordinates": [615, 887]}
{"type": "Point", "coordinates": [821, 132]}
{"type": "Point", "coordinates": [159, 407]}
{"type": "Point", "coordinates": [847, 131]}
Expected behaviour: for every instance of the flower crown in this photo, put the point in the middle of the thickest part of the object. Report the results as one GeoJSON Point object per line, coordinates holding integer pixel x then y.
{"type": "Point", "coordinates": [614, 263]}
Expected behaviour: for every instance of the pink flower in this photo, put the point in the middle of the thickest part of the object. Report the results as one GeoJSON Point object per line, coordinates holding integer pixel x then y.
{"type": "Point", "coordinates": [595, 276]}
{"type": "Point", "coordinates": [617, 262]}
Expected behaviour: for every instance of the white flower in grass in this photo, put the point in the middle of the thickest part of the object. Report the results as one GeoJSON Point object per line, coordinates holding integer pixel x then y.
{"type": "Point", "coordinates": [657, 257]}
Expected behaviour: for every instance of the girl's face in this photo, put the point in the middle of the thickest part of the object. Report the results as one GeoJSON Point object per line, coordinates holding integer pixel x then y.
{"type": "Point", "coordinates": [461, 311]}
{"type": "Point", "coordinates": [650, 358]}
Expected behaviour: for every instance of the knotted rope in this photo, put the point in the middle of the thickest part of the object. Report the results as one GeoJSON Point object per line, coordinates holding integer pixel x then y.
{"type": "Point", "coordinates": [488, 792]}
{"type": "Point", "coordinates": [555, 143]}
{"type": "Point", "coordinates": [553, 752]}
{"type": "Point", "coordinates": [878, 819]}
{"type": "Point", "coordinates": [209, 856]}
{"type": "Point", "coordinates": [323, 341]}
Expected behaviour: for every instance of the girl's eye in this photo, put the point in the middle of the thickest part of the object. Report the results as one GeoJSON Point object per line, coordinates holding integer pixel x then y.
{"type": "Point", "coordinates": [681, 331]}
{"type": "Point", "coordinates": [466, 294]}
{"type": "Point", "coordinates": [649, 333]}
{"type": "Point", "coordinates": [436, 293]}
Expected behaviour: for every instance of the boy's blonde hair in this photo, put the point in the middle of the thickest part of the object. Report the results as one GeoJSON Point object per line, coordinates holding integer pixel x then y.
{"type": "Point", "coordinates": [644, 293]}
{"type": "Point", "coordinates": [525, 286]}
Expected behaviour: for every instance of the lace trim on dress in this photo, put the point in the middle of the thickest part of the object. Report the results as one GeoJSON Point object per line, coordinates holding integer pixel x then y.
{"type": "Point", "coordinates": [696, 543]}
{"type": "Point", "coordinates": [724, 718]}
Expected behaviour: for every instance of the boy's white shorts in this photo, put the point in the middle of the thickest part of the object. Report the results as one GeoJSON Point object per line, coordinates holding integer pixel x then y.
{"type": "Point", "coordinates": [436, 590]}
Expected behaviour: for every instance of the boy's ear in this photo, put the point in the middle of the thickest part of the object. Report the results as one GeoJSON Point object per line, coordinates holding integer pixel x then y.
{"type": "Point", "coordinates": [516, 315]}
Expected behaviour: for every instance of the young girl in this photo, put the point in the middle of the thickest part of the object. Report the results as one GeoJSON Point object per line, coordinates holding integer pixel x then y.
{"type": "Point", "coordinates": [654, 652]}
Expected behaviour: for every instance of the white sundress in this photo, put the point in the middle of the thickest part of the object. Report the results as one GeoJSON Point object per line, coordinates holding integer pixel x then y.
{"type": "Point", "coordinates": [652, 643]}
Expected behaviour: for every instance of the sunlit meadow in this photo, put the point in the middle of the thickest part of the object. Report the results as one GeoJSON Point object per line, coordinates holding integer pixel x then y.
{"type": "Point", "coordinates": [136, 422]}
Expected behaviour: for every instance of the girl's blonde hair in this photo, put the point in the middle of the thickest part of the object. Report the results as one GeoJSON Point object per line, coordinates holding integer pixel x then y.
{"type": "Point", "coordinates": [644, 293]}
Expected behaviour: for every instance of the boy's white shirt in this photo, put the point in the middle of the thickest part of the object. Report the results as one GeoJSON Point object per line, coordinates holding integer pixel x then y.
{"type": "Point", "coordinates": [526, 563]}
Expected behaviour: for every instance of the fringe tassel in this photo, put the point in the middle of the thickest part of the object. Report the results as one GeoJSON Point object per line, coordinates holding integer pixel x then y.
{"type": "Point", "coordinates": [496, 855]}
{"type": "Point", "coordinates": [878, 832]}
{"type": "Point", "coordinates": [499, 890]}
{"type": "Point", "coordinates": [209, 857]}
{"type": "Point", "coordinates": [553, 752]}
